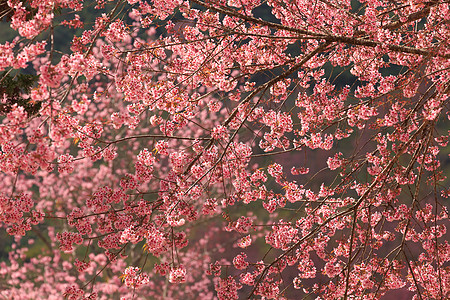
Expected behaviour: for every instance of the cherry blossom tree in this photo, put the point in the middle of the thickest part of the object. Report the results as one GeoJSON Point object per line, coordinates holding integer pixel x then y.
{"type": "Point", "coordinates": [212, 149]}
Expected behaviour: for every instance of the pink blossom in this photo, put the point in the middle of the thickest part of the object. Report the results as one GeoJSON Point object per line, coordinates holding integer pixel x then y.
{"type": "Point", "coordinates": [177, 275]}
{"type": "Point", "coordinates": [134, 277]}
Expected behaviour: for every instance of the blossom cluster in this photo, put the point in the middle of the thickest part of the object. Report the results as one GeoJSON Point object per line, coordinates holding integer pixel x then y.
{"type": "Point", "coordinates": [204, 149]}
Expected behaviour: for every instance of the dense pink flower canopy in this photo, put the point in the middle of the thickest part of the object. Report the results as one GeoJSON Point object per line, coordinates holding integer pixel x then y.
{"type": "Point", "coordinates": [225, 149]}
